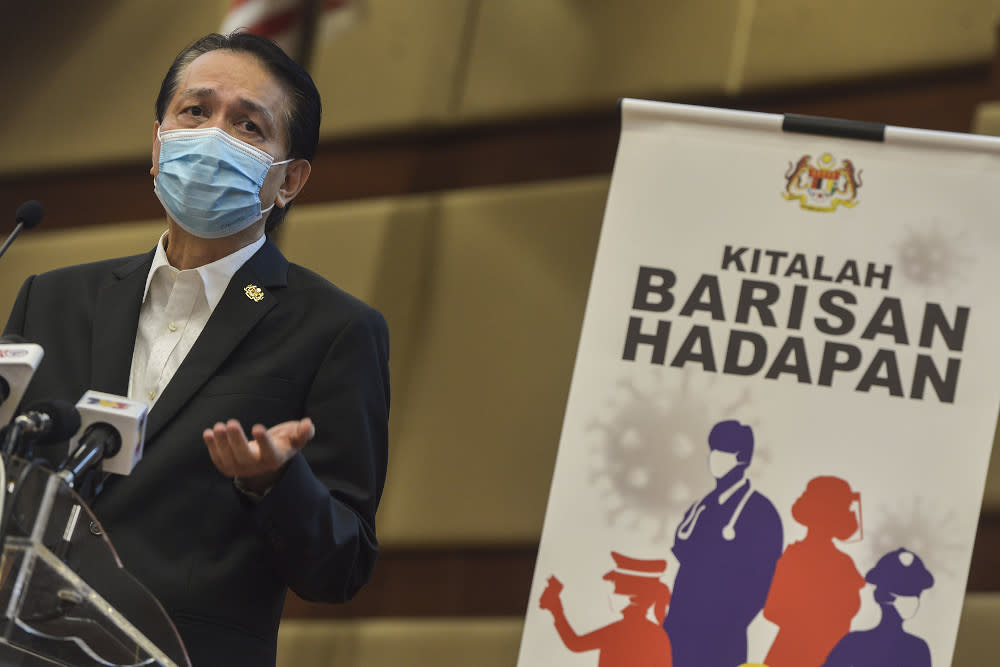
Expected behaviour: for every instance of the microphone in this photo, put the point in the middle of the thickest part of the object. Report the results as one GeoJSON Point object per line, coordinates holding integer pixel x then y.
{"type": "Point", "coordinates": [49, 421]}
{"type": "Point", "coordinates": [111, 435]}
{"type": "Point", "coordinates": [28, 215]}
{"type": "Point", "coordinates": [18, 361]}
{"type": "Point", "coordinates": [44, 423]}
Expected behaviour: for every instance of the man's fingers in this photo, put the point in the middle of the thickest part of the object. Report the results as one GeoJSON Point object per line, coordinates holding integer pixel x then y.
{"type": "Point", "coordinates": [265, 452]}
{"type": "Point", "coordinates": [243, 452]}
{"type": "Point", "coordinates": [229, 449]}
{"type": "Point", "coordinates": [216, 441]}
{"type": "Point", "coordinates": [306, 431]}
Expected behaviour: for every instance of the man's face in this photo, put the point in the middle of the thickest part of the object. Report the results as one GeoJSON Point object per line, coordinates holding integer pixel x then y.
{"type": "Point", "coordinates": [234, 92]}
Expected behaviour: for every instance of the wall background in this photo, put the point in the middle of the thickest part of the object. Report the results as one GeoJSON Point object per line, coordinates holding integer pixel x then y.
{"type": "Point", "coordinates": [467, 147]}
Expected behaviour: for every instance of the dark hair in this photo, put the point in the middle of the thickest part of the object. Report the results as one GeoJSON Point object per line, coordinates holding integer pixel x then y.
{"type": "Point", "coordinates": [734, 437]}
{"type": "Point", "coordinates": [302, 114]}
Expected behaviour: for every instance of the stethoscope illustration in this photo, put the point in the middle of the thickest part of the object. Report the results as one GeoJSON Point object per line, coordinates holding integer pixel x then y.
{"type": "Point", "coordinates": [686, 528]}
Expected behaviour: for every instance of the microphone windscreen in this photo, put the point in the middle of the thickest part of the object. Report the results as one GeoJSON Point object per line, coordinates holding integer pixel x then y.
{"type": "Point", "coordinates": [65, 419]}
{"type": "Point", "coordinates": [29, 213]}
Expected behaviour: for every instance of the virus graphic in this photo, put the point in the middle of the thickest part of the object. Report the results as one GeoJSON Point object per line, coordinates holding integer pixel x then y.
{"type": "Point", "coordinates": [922, 528]}
{"type": "Point", "coordinates": [649, 448]}
{"type": "Point", "coordinates": [930, 258]}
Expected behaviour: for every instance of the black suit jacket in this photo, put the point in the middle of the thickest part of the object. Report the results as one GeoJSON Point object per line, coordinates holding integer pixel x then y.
{"type": "Point", "coordinates": [219, 563]}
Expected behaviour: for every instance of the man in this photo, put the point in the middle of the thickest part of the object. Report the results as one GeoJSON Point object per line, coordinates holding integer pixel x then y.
{"type": "Point", "coordinates": [728, 545]}
{"type": "Point", "coordinates": [265, 449]}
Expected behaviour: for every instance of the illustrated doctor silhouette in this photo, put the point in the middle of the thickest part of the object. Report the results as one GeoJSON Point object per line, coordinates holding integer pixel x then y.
{"type": "Point", "coordinates": [728, 544]}
{"type": "Point", "coordinates": [899, 578]}
{"type": "Point", "coordinates": [816, 588]}
{"type": "Point", "coordinates": [633, 640]}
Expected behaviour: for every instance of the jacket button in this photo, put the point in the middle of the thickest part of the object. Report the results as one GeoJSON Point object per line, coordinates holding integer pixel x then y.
{"type": "Point", "coordinates": [95, 529]}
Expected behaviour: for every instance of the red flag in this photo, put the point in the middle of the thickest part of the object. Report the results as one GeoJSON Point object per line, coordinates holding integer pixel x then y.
{"type": "Point", "coordinates": [293, 24]}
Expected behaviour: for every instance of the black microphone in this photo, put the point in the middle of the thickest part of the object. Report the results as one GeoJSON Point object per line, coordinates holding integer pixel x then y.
{"type": "Point", "coordinates": [100, 441]}
{"type": "Point", "coordinates": [43, 423]}
{"type": "Point", "coordinates": [50, 421]}
{"type": "Point", "coordinates": [28, 215]}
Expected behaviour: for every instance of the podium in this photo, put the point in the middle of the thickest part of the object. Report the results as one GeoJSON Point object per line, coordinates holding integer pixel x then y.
{"type": "Point", "coordinates": [65, 598]}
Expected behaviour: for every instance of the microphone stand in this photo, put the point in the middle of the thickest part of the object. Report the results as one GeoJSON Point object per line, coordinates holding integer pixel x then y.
{"type": "Point", "coordinates": [10, 239]}
{"type": "Point", "coordinates": [11, 437]}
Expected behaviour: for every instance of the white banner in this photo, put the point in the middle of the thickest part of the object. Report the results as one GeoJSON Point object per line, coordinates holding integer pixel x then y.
{"type": "Point", "coordinates": [777, 434]}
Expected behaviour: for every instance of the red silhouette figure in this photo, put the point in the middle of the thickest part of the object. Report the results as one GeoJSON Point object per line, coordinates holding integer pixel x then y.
{"type": "Point", "coordinates": [816, 589]}
{"type": "Point", "coordinates": [634, 640]}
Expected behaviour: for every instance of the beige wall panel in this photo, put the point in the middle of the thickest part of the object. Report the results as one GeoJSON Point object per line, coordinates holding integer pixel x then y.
{"type": "Point", "coordinates": [484, 293]}
{"type": "Point", "coordinates": [35, 252]}
{"type": "Point", "coordinates": [80, 78]}
{"type": "Point", "coordinates": [395, 68]}
{"type": "Point", "coordinates": [991, 500]}
{"type": "Point", "coordinates": [350, 244]}
{"type": "Point", "coordinates": [977, 644]}
{"type": "Point", "coordinates": [478, 424]}
{"type": "Point", "coordinates": [987, 121]}
{"type": "Point", "coordinates": [794, 42]}
{"type": "Point", "coordinates": [381, 252]}
{"type": "Point", "coordinates": [529, 56]}
{"type": "Point", "coordinates": [400, 642]}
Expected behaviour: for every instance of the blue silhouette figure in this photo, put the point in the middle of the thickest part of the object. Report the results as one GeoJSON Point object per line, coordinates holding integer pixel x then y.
{"type": "Point", "coordinates": [899, 578]}
{"type": "Point", "coordinates": [728, 544]}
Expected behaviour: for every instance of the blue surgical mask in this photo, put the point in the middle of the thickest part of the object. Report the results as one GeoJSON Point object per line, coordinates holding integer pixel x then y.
{"type": "Point", "coordinates": [209, 181]}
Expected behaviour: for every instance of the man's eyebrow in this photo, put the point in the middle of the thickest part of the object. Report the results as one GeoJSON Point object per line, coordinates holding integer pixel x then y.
{"type": "Point", "coordinates": [244, 103]}
{"type": "Point", "coordinates": [196, 92]}
{"type": "Point", "coordinates": [254, 107]}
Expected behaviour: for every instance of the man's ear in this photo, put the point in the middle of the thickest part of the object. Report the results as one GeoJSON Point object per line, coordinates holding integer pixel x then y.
{"type": "Point", "coordinates": [296, 174]}
{"type": "Point", "coordinates": [156, 149]}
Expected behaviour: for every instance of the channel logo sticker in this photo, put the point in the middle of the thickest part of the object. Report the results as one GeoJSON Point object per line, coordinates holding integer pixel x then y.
{"type": "Point", "coordinates": [105, 403]}
{"type": "Point", "coordinates": [822, 184]}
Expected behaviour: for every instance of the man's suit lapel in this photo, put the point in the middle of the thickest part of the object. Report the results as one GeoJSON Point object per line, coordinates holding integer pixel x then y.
{"type": "Point", "coordinates": [116, 317]}
{"type": "Point", "coordinates": [232, 320]}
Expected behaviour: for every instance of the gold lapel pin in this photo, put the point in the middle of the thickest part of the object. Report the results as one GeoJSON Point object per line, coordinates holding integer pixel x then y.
{"type": "Point", "coordinates": [254, 292]}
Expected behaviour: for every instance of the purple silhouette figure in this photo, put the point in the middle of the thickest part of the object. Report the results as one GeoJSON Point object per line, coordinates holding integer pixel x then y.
{"type": "Point", "coordinates": [899, 578]}
{"type": "Point", "coordinates": [728, 544]}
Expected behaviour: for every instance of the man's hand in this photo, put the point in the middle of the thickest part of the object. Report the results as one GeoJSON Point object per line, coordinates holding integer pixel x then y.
{"type": "Point", "coordinates": [256, 463]}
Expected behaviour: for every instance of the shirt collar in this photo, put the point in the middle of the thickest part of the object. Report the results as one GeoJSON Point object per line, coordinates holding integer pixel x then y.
{"type": "Point", "coordinates": [214, 276]}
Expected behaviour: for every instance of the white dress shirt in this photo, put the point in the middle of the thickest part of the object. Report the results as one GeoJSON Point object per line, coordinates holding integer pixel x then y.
{"type": "Point", "coordinates": [175, 308]}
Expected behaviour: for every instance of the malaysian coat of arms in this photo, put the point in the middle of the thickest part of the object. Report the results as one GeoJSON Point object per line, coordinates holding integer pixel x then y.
{"type": "Point", "coordinates": [822, 184]}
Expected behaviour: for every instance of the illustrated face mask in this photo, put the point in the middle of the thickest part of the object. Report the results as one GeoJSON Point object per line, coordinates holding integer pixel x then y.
{"type": "Point", "coordinates": [720, 463]}
{"type": "Point", "coordinates": [907, 605]}
{"type": "Point", "coordinates": [618, 603]}
{"type": "Point", "coordinates": [209, 181]}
